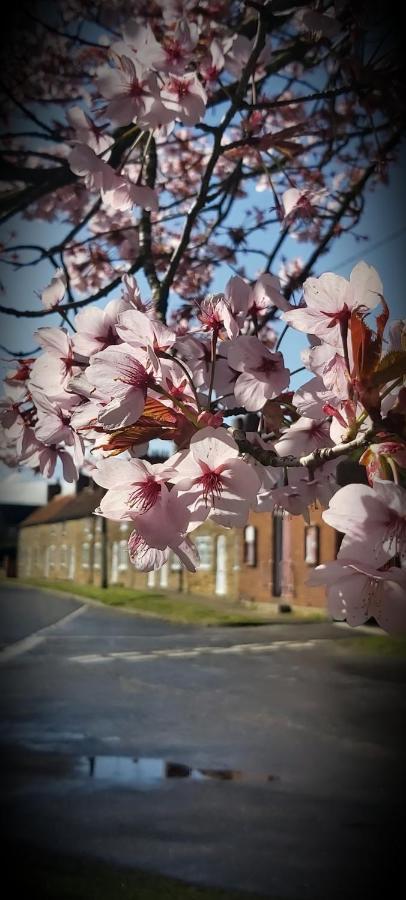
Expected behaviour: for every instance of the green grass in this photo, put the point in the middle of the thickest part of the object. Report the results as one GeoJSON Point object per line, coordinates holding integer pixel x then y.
{"type": "Point", "coordinates": [171, 607]}
{"type": "Point", "coordinates": [51, 877]}
{"type": "Point", "coordinates": [374, 645]}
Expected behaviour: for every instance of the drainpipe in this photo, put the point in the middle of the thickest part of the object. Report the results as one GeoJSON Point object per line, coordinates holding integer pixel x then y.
{"type": "Point", "coordinates": [104, 568]}
{"type": "Point", "coordinates": [288, 586]}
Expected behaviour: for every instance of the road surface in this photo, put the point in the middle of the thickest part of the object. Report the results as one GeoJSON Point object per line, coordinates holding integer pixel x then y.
{"type": "Point", "coordinates": [266, 759]}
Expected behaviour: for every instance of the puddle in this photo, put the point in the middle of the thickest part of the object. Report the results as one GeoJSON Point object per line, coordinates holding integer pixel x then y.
{"type": "Point", "coordinates": [137, 772]}
{"type": "Point", "coordinates": [150, 770]}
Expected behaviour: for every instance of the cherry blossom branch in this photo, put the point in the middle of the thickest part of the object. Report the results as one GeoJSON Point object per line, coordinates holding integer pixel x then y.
{"type": "Point", "coordinates": [294, 282]}
{"type": "Point", "coordinates": [19, 353]}
{"type": "Point", "coordinates": [311, 461]}
{"type": "Point", "coordinates": [259, 44]}
{"type": "Point", "coordinates": [92, 298]}
{"type": "Point", "coordinates": [145, 230]}
{"type": "Point", "coordinates": [182, 366]}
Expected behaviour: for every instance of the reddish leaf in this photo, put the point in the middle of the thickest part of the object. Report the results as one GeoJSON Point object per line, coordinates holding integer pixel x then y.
{"type": "Point", "coordinates": [390, 367]}
{"type": "Point", "coordinates": [366, 344]}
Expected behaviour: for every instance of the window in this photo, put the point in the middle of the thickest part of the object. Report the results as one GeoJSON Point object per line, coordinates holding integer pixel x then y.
{"type": "Point", "coordinates": [204, 545]}
{"type": "Point", "coordinates": [250, 545]}
{"type": "Point", "coordinates": [236, 554]}
{"type": "Point", "coordinates": [97, 555]}
{"type": "Point", "coordinates": [124, 527]}
{"type": "Point", "coordinates": [85, 555]}
{"type": "Point", "coordinates": [176, 565]}
{"type": "Point", "coordinates": [52, 555]}
{"type": "Point", "coordinates": [98, 524]}
{"type": "Point", "coordinates": [151, 579]}
{"type": "Point", "coordinates": [163, 575]}
{"type": "Point", "coordinates": [123, 556]}
{"type": "Point", "coordinates": [71, 562]}
{"type": "Point", "coordinates": [87, 528]}
{"type": "Point", "coordinates": [311, 548]}
{"type": "Point", "coordinates": [63, 556]}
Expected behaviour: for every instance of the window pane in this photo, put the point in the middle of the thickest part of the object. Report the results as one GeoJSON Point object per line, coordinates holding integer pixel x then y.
{"type": "Point", "coordinates": [204, 544]}
{"type": "Point", "coordinates": [85, 555]}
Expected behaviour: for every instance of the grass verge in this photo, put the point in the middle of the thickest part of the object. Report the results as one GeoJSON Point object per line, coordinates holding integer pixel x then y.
{"type": "Point", "coordinates": [53, 877]}
{"type": "Point", "coordinates": [171, 607]}
{"type": "Point", "coordinates": [376, 645]}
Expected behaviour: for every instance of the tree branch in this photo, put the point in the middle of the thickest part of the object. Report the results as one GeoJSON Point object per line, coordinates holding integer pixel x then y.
{"type": "Point", "coordinates": [311, 461]}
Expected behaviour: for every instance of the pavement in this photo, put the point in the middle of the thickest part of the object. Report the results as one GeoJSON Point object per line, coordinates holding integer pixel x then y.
{"type": "Point", "coordinates": [266, 759]}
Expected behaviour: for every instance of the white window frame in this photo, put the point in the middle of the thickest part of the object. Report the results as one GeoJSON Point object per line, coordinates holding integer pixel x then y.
{"type": "Point", "coordinates": [85, 550]}
{"type": "Point", "coordinates": [250, 546]}
{"type": "Point", "coordinates": [205, 549]}
{"type": "Point", "coordinates": [97, 555]}
{"type": "Point", "coordinates": [122, 556]}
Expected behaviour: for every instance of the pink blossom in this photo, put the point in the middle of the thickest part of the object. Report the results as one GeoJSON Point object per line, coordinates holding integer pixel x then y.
{"type": "Point", "coordinates": [356, 592]}
{"type": "Point", "coordinates": [140, 41]}
{"type": "Point", "coordinates": [239, 53]}
{"type": "Point", "coordinates": [330, 299]}
{"type": "Point", "coordinates": [146, 558]}
{"type": "Point", "coordinates": [265, 294]}
{"type": "Point", "coordinates": [98, 175]}
{"type": "Point", "coordinates": [311, 398]}
{"type": "Point", "coordinates": [196, 352]}
{"type": "Point", "coordinates": [133, 486]}
{"type": "Point", "coordinates": [125, 378]}
{"type": "Point", "coordinates": [131, 294]}
{"type": "Point", "coordinates": [263, 376]}
{"type": "Point", "coordinates": [52, 295]}
{"type": "Point", "coordinates": [178, 47]}
{"type": "Point", "coordinates": [304, 436]}
{"type": "Point", "coordinates": [54, 425]}
{"type": "Point", "coordinates": [123, 195]}
{"type": "Point", "coordinates": [270, 477]}
{"type": "Point", "coordinates": [344, 414]}
{"type": "Point", "coordinates": [373, 520]}
{"type": "Point", "coordinates": [237, 294]}
{"type": "Point", "coordinates": [95, 328]}
{"type": "Point", "coordinates": [176, 384]}
{"type": "Point", "coordinates": [139, 330]}
{"type": "Point", "coordinates": [329, 363]}
{"type": "Point", "coordinates": [137, 491]}
{"type": "Point", "coordinates": [185, 97]}
{"type": "Point", "coordinates": [37, 455]}
{"type": "Point", "coordinates": [214, 481]}
{"type": "Point", "coordinates": [14, 395]}
{"type": "Point", "coordinates": [214, 312]}
{"type": "Point", "coordinates": [87, 132]}
{"type": "Point", "coordinates": [116, 190]}
{"type": "Point", "coordinates": [52, 370]}
{"type": "Point", "coordinates": [300, 204]}
{"type": "Point", "coordinates": [128, 88]}
{"type": "Point", "coordinates": [212, 64]}
{"type": "Point", "coordinates": [382, 459]}
{"type": "Point", "coordinates": [302, 491]}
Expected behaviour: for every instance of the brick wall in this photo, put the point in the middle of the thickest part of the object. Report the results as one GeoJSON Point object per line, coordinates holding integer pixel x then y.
{"type": "Point", "coordinates": [266, 562]}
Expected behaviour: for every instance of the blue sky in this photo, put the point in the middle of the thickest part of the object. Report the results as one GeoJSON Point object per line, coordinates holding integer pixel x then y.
{"type": "Point", "coordinates": [383, 224]}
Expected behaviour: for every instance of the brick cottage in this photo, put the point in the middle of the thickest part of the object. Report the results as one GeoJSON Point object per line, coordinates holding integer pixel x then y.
{"type": "Point", "coordinates": [267, 562]}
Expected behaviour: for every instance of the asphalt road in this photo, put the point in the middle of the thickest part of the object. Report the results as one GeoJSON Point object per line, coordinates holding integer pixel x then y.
{"type": "Point", "coordinates": [265, 759]}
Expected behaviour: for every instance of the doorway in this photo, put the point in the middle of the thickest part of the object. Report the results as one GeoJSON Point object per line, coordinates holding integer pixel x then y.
{"type": "Point", "coordinates": [277, 545]}
{"type": "Point", "coordinates": [221, 565]}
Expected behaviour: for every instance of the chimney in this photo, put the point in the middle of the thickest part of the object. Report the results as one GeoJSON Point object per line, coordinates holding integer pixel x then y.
{"type": "Point", "coordinates": [53, 490]}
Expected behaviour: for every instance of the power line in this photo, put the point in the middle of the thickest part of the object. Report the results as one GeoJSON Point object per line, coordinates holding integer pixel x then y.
{"type": "Point", "coordinates": [385, 240]}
